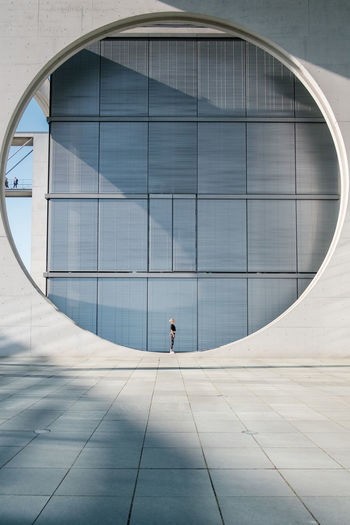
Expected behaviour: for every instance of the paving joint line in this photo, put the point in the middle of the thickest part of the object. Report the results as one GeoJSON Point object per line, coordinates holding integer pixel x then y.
{"type": "Point", "coordinates": [142, 448]}
{"type": "Point", "coordinates": [262, 449]}
{"type": "Point", "coordinates": [78, 455]}
{"type": "Point", "coordinates": [201, 446]}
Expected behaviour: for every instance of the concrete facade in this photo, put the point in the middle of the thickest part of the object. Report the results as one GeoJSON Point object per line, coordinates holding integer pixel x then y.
{"type": "Point", "coordinates": [313, 38]}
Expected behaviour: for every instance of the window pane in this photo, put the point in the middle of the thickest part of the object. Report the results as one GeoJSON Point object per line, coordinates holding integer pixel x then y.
{"type": "Point", "coordinates": [124, 82]}
{"type": "Point", "coordinates": [123, 162]}
{"type": "Point", "coordinates": [123, 235]}
{"type": "Point", "coordinates": [175, 298]}
{"type": "Point", "coordinates": [317, 165]}
{"type": "Point", "coordinates": [222, 235]}
{"type": "Point", "coordinates": [305, 106]}
{"type": "Point", "coordinates": [270, 158]}
{"type": "Point", "coordinates": [316, 225]}
{"type": "Point", "coordinates": [173, 77]}
{"type": "Point", "coordinates": [267, 299]}
{"type": "Point", "coordinates": [271, 236]}
{"type": "Point", "coordinates": [75, 84]}
{"type": "Point", "coordinates": [74, 157]}
{"type": "Point", "coordinates": [184, 235]}
{"type": "Point", "coordinates": [302, 285]}
{"type": "Point", "coordinates": [221, 77]}
{"type": "Point", "coordinates": [270, 85]}
{"type": "Point", "coordinates": [122, 307]}
{"type": "Point", "coordinates": [73, 235]}
{"type": "Point", "coordinates": [222, 311]}
{"type": "Point", "coordinates": [173, 157]}
{"type": "Point", "coordinates": [221, 158]}
{"type": "Point", "coordinates": [160, 235]}
{"type": "Point", "coordinates": [76, 298]}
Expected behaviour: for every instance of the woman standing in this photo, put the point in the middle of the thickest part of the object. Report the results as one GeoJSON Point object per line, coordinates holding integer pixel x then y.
{"type": "Point", "coordinates": [172, 334]}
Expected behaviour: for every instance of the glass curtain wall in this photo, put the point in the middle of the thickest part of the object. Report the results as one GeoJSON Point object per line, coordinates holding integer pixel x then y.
{"type": "Point", "coordinates": [189, 178]}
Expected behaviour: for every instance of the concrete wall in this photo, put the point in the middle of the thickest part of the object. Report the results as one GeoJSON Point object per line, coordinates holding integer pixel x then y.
{"type": "Point", "coordinates": [313, 33]}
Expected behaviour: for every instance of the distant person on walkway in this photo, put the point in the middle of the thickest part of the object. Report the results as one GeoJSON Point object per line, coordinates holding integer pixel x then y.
{"type": "Point", "coordinates": [6, 182]}
{"type": "Point", "coordinates": [172, 334]}
{"type": "Point", "coordinates": [15, 182]}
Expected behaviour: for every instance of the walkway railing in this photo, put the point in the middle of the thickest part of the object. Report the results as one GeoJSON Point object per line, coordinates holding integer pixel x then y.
{"type": "Point", "coordinates": [23, 184]}
{"type": "Point", "coordinates": [18, 187]}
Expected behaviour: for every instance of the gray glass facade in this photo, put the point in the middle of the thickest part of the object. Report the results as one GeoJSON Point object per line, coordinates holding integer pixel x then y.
{"type": "Point", "coordinates": [189, 178]}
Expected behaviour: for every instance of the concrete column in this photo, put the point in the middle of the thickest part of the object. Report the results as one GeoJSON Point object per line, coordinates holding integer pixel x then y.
{"type": "Point", "coordinates": [39, 209]}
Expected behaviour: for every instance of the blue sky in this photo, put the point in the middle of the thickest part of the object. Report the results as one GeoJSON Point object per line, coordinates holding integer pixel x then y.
{"type": "Point", "coordinates": [19, 210]}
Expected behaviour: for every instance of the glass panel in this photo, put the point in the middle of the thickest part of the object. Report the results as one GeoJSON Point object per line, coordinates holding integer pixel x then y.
{"type": "Point", "coordinates": [173, 157]}
{"type": "Point", "coordinates": [122, 311]}
{"type": "Point", "coordinates": [267, 299]}
{"type": "Point", "coordinates": [173, 77]}
{"type": "Point", "coordinates": [221, 77]}
{"type": "Point", "coordinates": [72, 235]}
{"type": "Point", "coordinates": [271, 236]}
{"type": "Point", "coordinates": [222, 311]}
{"type": "Point", "coordinates": [160, 235]}
{"type": "Point", "coordinates": [270, 158]}
{"type": "Point", "coordinates": [175, 298]}
{"type": "Point", "coordinates": [75, 84]}
{"type": "Point", "coordinates": [123, 162]}
{"type": "Point", "coordinates": [76, 298]}
{"type": "Point", "coordinates": [305, 106]}
{"type": "Point", "coordinates": [317, 165]}
{"type": "Point", "coordinates": [270, 85]}
{"type": "Point", "coordinates": [123, 235]}
{"type": "Point", "coordinates": [221, 158]}
{"type": "Point", "coordinates": [302, 285]}
{"type": "Point", "coordinates": [222, 235]}
{"type": "Point", "coordinates": [74, 157]}
{"type": "Point", "coordinates": [124, 81]}
{"type": "Point", "coordinates": [150, 141]}
{"type": "Point", "coordinates": [316, 225]}
{"type": "Point", "coordinates": [184, 235]}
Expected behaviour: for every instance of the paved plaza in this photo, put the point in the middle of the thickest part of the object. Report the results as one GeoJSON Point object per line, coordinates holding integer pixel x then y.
{"type": "Point", "coordinates": [182, 439]}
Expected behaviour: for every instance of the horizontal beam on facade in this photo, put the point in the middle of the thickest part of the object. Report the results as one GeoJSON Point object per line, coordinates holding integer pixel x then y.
{"type": "Point", "coordinates": [243, 196]}
{"type": "Point", "coordinates": [26, 137]}
{"type": "Point", "coordinates": [22, 140]}
{"type": "Point", "coordinates": [18, 193]}
{"type": "Point", "coordinates": [80, 118]}
{"type": "Point", "coordinates": [183, 275]}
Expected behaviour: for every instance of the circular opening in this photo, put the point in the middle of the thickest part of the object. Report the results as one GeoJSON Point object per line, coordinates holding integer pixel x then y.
{"type": "Point", "coordinates": [191, 175]}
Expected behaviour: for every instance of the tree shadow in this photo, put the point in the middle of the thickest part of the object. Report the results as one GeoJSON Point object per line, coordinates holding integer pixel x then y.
{"type": "Point", "coordinates": [126, 444]}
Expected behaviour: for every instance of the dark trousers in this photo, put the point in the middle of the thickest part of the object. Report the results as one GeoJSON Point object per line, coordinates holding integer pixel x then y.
{"type": "Point", "coordinates": [172, 339]}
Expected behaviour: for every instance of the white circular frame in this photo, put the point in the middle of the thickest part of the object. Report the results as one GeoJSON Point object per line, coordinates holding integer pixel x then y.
{"type": "Point", "coordinates": [230, 29]}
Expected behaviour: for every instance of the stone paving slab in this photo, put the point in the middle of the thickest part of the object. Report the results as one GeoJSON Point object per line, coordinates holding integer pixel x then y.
{"type": "Point", "coordinates": [7, 453]}
{"type": "Point", "coordinates": [30, 481]}
{"type": "Point", "coordinates": [20, 510]}
{"type": "Point", "coordinates": [175, 511]}
{"type": "Point", "coordinates": [175, 440]}
{"type": "Point", "coordinates": [265, 511]}
{"type": "Point", "coordinates": [98, 482]}
{"type": "Point", "coordinates": [330, 511]}
{"type": "Point", "coordinates": [82, 510]}
{"type": "Point", "coordinates": [257, 482]}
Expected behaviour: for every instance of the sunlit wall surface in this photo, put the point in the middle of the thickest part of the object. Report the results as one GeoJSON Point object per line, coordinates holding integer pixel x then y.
{"type": "Point", "coordinates": [189, 178]}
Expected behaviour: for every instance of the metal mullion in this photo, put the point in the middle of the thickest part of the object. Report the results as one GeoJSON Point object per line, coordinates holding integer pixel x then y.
{"type": "Point", "coordinates": [237, 196]}
{"type": "Point", "coordinates": [184, 119]}
{"type": "Point", "coordinates": [184, 275]}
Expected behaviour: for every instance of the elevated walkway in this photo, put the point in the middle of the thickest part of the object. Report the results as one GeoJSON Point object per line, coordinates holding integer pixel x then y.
{"type": "Point", "coordinates": [21, 140]}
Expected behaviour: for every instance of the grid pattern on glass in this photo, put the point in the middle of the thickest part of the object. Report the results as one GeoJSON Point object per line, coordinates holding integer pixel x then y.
{"type": "Point", "coordinates": [197, 156]}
